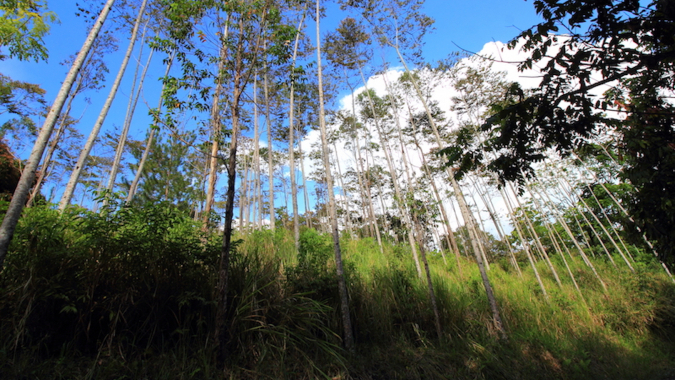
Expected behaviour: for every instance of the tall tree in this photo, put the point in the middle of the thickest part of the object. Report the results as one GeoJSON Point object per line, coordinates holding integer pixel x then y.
{"type": "Point", "coordinates": [342, 285]}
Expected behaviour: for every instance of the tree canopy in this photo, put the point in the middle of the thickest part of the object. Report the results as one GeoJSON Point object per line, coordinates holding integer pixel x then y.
{"type": "Point", "coordinates": [23, 25]}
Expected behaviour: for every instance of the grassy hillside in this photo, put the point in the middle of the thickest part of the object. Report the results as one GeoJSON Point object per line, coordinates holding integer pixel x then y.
{"type": "Point", "coordinates": [128, 294]}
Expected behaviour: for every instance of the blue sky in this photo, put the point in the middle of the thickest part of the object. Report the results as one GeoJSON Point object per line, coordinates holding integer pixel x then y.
{"type": "Point", "coordinates": [466, 24]}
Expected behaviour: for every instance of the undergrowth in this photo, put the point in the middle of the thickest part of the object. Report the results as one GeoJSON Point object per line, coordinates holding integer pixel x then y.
{"type": "Point", "coordinates": [127, 293]}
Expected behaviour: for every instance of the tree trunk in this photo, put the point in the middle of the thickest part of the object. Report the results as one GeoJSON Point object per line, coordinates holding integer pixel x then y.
{"type": "Point", "coordinates": [75, 176]}
{"type": "Point", "coordinates": [560, 218]}
{"type": "Point", "coordinates": [308, 213]}
{"type": "Point", "coordinates": [131, 108]}
{"type": "Point", "coordinates": [148, 144]}
{"type": "Point", "coordinates": [465, 211]}
{"type": "Point", "coordinates": [291, 138]}
{"type": "Point", "coordinates": [430, 286]}
{"type": "Point", "coordinates": [479, 260]}
{"type": "Point", "coordinates": [270, 155]}
{"type": "Point", "coordinates": [216, 132]}
{"type": "Point", "coordinates": [344, 300]}
{"type": "Point", "coordinates": [345, 195]}
{"type": "Point", "coordinates": [55, 141]}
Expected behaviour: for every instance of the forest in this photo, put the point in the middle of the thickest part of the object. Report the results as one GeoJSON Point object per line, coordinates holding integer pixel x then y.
{"type": "Point", "coordinates": [292, 189]}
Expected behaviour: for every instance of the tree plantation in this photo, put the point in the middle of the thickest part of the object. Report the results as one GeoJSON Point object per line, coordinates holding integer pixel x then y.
{"type": "Point", "coordinates": [292, 189]}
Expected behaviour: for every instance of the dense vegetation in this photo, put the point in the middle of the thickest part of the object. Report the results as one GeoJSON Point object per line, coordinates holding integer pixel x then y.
{"type": "Point", "coordinates": [128, 292]}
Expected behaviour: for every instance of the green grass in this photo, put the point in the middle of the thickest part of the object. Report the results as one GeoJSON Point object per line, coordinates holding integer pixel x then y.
{"type": "Point", "coordinates": [129, 294]}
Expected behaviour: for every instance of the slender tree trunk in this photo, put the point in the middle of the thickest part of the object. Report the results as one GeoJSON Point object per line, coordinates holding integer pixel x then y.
{"type": "Point", "coordinates": [148, 145]}
{"type": "Point", "coordinates": [243, 196]}
{"type": "Point", "coordinates": [625, 212]}
{"type": "Point", "coordinates": [487, 201]}
{"type": "Point", "coordinates": [560, 218]}
{"type": "Point", "coordinates": [604, 229]}
{"type": "Point", "coordinates": [223, 272]}
{"type": "Point", "coordinates": [465, 210]}
{"type": "Point", "coordinates": [131, 108]}
{"type": "Point", "coordinates": [538, 243]}
{"type": "Point", "coordinates": [406, 164]}
{"type": "Point", "coordinates": [55, 141]}
{"type": "Point", "coordinates": [562, 254]}
{"type": "Point", "coordinates": [570, 197]}
{"type": "Point", "coordinates": [75, 176]}
{"type": "Point", "coordinates": [28, 174]}
{"type": "Point", "coordinates": [308, 213]}
{"type": "Point", "coordinates": [392, 171]}
{"type": "Point", "coordinates": [257, 195]}
{"type": "Point", "coordinates": [345, 194]}
{"type": "Point", "coordinates": [291, 137]}
{"type": "Point", "coordinates": [430, 286]}
{"type": "Point", "coordinates": [479, 260]}
{"type": "Point", "coordinates": [344, 300]}
{"type": "Point", "coordinates": [370, 201]}
{"type": "Point", "coordinates": [270, 155]}
{"type": "Point", "coordinates": [365, 192]}
{"type": "Point", "coordinates": [526, 245]}
{"type": "Point", "coordinates": [240, 79]}
{"type": "Point", "coordinates": [446, 222]}
{"type": "Point", "coordinates": [216, 132]}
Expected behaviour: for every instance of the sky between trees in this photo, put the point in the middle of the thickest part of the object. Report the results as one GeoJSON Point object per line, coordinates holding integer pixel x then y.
{"type": "Point", "coordinates": [476, 26]}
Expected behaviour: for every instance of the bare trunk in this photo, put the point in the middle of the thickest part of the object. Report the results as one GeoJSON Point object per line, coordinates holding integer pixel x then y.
{"type": "Point", "coordinates": [270, 155]}
{"type": "Point", "coordinates": [148, 145]}
{"type": "Point", "coordinates": [308, 213]}
{"type": "Point", "coordinates": [75, 176]}
{"type": "Point", "coordinates": [370, 200]}
{"type": "Point", "coordinates": [291, 139]}
{"type": "Point", "coordinates": [430, 286]}
{"type": "Point", "coordinates": [498, 225]}
{"type": "Point", "coordinates": [604, 229]}
{"type": "Point", "coordinates": [344, 300]}
{"type": "Point", "coordinates": [479, 260]}
{"type": "Point", "coordinates": [131, 108]}
{"type": "Point", "coordinates": [55, 141]}
{"type": "Point", "coordinates": [246, 193]}
{"type": "Point", "coordinates": [570, 197]}
{"type": "Point", "coordinates": [216, 132]}
{"type": "Point", "coordinates": [345, 195]}
{"type": "Point", "coordinates": [257, 195]}
{"type": "Point", "coordinates": [465, 211]}
{"type": "Point", "coordinates": [576, 242]}
{"type": "Point", "coordinates": [223, 272]}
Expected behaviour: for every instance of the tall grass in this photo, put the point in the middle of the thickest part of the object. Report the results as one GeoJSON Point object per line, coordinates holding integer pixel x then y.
{"type": "Point", "coordinates": [128, 293]}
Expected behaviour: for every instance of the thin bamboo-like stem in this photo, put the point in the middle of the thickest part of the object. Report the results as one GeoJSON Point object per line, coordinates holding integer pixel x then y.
{"type": "Point", "coordinates": [575, 241]}
{"type": "Point", "coordinates": [537, 240]}
{"type": "Point", "coordinates": [526, 246]}
{"type": "Point", "coordinates": [571, 198]}
{"type": "Point", "coordinates": [148, 144]}
{"type": "Point", "coordinates": [497, 223]}
{"type": "Point", "coordinates": [131, 108]}
{"type": "Point", "coordinates": [84, 154]}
